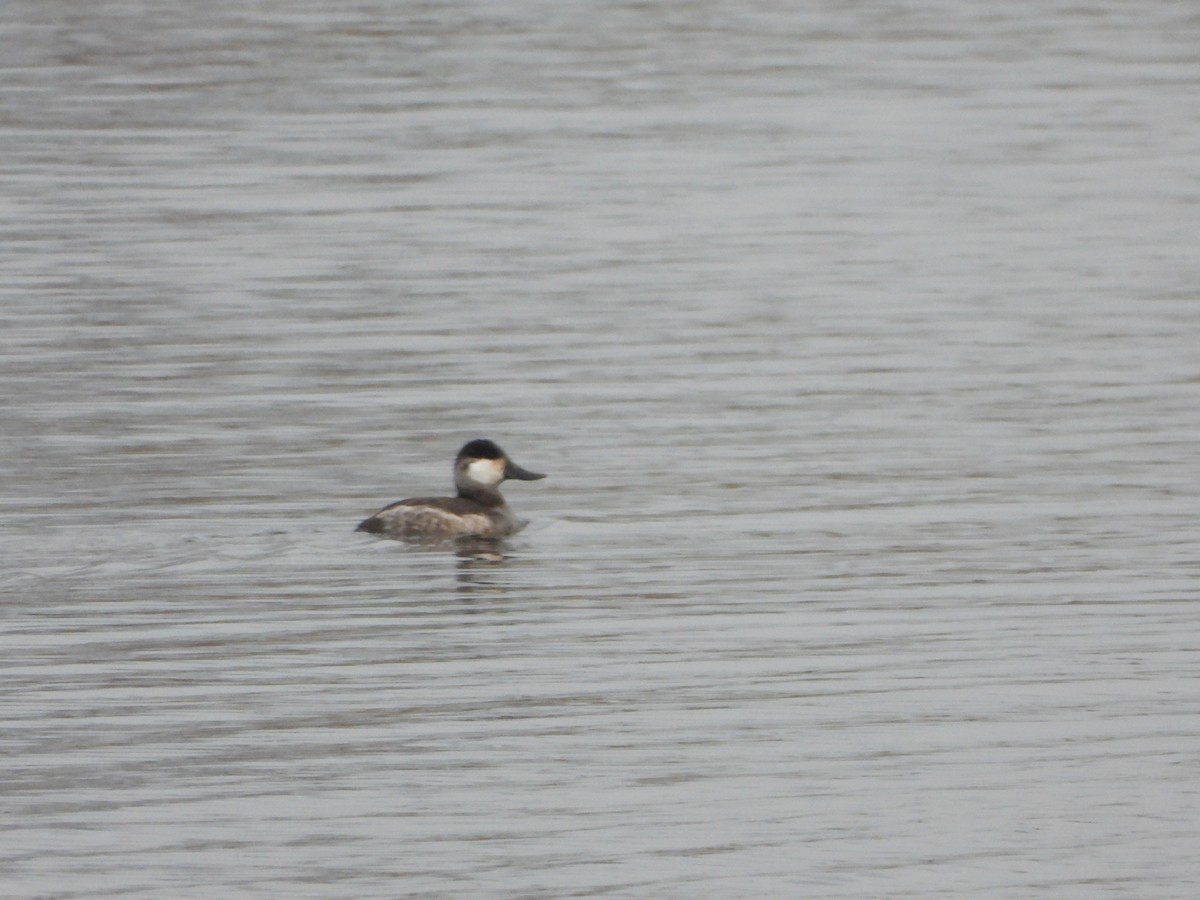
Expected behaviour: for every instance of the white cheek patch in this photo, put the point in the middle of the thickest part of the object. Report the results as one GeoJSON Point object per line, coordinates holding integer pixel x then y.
{"type": "Point", "coordinates": [486, 471]}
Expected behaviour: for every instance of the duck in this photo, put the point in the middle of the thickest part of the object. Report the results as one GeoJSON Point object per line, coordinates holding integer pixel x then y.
{"type": "Point", "coordinates": [478, 510]}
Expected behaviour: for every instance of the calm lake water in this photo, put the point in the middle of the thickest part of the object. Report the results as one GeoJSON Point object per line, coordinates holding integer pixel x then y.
{"type": "Point", "coordinates": [861, 344]}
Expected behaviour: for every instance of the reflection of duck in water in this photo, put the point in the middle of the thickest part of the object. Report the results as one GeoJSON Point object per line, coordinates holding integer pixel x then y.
{"type": "Point", "coordinates": [478, 511]}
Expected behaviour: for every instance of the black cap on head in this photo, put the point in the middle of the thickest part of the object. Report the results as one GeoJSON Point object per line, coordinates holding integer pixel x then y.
{"type": "Point", "coordinates": [481, 449]}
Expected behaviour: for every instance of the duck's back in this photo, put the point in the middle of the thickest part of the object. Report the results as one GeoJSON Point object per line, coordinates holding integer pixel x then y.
{"type": "Point", "coordinates": [440, 517]}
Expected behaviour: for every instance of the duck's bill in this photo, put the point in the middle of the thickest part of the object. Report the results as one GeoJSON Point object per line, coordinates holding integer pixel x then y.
{"type": "Point", "coordinates": [512, 470]}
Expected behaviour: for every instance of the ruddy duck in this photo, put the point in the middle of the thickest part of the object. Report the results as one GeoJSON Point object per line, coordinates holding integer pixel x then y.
{"type": "Point", "coordinates": [477, 511]}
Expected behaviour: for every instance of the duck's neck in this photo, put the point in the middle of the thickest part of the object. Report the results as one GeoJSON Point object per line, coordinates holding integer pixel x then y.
{"type": "Point", "coordinates": [488, 496]}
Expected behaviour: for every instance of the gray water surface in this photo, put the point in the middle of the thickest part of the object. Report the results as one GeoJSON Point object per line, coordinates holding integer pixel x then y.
{"type": "Point", "coordinates": [860, 342]}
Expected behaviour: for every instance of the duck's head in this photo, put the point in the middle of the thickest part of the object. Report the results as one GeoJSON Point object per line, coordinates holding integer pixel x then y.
{"type": "Point", "coordinates": [482, 464]}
